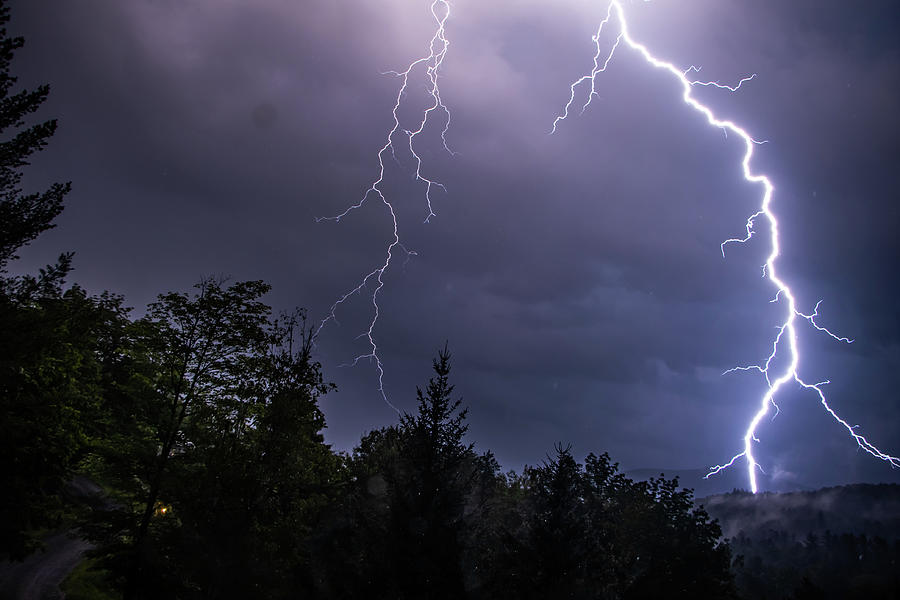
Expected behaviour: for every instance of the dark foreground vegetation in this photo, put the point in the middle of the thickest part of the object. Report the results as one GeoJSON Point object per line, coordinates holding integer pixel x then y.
{"type": "Point", "coordinates": [200, 421]}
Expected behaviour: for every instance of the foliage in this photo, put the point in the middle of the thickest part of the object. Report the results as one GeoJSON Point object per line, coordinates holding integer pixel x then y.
{"type": "Point", "coordinates": [780, 565]}
{"type": "Point", "coordinates": [587, 531]}
{"type": "Point", "coordinates": [251, 487]}
{"type": "Point", "coordinates": [207, 435]}
{"type": "Point", "coordinates": [211, 447]}
{"type": "Point", "coordinates": [50, 391]}
{"type": "Point", "coordinates": [22, 216]}
{"type": "Point", "coordinates": [424, 516]}
{"type": "Point", "coordinates": [403, 522]}
{"type": "Point", "coordinates": [87, 582]}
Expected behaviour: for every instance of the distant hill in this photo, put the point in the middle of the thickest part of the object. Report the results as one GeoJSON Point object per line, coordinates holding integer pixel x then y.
{"type": "Point", "coordinates": [832, 543]}
{"type": "Point", "coordinates": [859, 509]}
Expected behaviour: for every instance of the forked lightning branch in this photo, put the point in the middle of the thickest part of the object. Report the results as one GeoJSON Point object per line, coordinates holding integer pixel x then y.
{"type": "Point", "coordinates": [785, 345]}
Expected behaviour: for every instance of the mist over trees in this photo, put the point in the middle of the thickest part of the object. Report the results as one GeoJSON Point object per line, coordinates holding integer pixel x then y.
{"type": "Point", "coordinates": [840, 542]}
{"type": "Point", "coordinates": [201, 423]}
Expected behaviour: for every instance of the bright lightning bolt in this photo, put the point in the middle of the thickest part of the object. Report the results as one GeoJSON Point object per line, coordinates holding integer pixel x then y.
{"type": "Point", "coordinates": [787, 332]}
{"type": "Point", "coordinates": [431, 62]}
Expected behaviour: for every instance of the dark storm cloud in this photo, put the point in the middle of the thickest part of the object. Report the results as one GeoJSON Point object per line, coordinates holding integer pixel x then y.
{"type": "Point", "coordinates": [577, 276]}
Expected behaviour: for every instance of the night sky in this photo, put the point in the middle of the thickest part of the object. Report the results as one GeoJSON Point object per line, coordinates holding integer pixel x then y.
{"type": "Point", "coordinates": [577, 277]}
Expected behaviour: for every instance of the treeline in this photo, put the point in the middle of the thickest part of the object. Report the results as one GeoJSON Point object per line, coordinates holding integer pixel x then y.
{"type": "Point", "coordinates": [201, 422]}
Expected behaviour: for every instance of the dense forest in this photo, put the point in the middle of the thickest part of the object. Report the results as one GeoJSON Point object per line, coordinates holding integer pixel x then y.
{"type": "Point", "coordinates": [839, 542]}
{"type": "Point", "coordinates": [199, 422]}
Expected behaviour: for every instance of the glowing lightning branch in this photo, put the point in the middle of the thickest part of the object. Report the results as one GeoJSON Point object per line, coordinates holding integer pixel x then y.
{"type": "Point", "coordinates": [787, 333]}
{"type": "Point", "coordinates": [437, 51]}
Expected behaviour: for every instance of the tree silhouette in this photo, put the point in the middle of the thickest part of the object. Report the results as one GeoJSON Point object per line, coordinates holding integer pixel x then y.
{"type": "Point", "coordinates": [587, 531]}
{"type": "Point", "coordinates": [430, 486]}
{"type": "Point", "coordinates": [23, 216]}
{"type": "Point", "coordinates": [402, 527]}
{"type": "Point", "coordinates": [200, 347]}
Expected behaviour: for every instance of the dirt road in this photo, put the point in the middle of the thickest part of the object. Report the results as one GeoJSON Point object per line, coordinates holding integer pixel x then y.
{"type": "Point", "coordinates": [39, 576]}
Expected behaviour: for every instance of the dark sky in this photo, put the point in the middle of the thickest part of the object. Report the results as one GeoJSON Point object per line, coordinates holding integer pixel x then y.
{"type": "Point", "coordinates": [577, 277]}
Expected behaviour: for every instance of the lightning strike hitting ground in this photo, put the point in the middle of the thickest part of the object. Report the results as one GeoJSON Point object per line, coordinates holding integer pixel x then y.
{"type": "Point", "coordinates": [431, 62]}
{"type": "Point", "coordinates": [787, 332]}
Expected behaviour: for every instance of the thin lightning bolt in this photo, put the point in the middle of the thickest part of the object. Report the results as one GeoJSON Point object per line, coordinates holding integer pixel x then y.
{"type": "Point", "coordinates": [431, 62]}
{"type": "Point", "coordinates": [787, 332]}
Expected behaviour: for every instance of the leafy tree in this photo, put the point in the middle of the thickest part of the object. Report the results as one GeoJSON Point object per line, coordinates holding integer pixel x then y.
{"type": "Point", "coordinates": [210, 445]}
{"type": "Point", "coordinates": [51, 381]}
{"type": "Point", "coordinates": [669, 546]}
{"type": "Point", "coordinates": [556, 541]}
{"type": "Point", "coordinates": [354, 547]}
{"type": "Point", "coordinates": [587, 531]}
{"type": "Point", "coordinates": [250, 491]}
{"type": "Point", "coordinates": [553, 558]}
{"type": "Point", "coordinates": [199, 347]}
